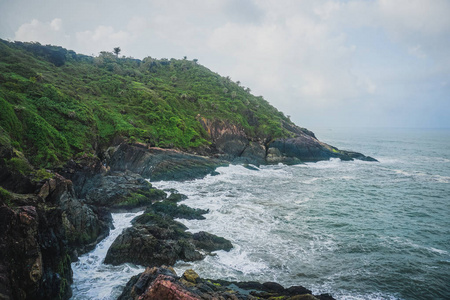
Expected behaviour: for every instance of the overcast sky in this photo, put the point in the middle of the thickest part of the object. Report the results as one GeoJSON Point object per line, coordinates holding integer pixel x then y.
{"type": "Point", "coordinates": [365, 63]}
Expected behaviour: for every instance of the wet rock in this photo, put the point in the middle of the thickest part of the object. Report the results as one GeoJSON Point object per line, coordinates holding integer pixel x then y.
{"type": "Point", "coordinates": [150, 245]}
{"type": "Point", "coordinates": [176, 197]}
{"type": "Point", "coordinates": [156, 239]}
{"type": "Point", "coordinates": [163, 283]}
{"type": "Point", "coordinates": [178, 211]}
{"type": "Point", "coordinates": [211, 242]}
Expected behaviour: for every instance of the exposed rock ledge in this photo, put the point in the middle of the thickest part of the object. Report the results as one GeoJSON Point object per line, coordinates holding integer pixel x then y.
{"type": "Point", "coordinates": [163, 283]}
{"type": "Point", "coordinates": [230, 144]}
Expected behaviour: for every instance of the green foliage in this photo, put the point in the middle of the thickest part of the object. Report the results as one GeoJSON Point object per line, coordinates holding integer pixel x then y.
{"type": "Point", "coordinates": [56, 103]}
{"type": "Point", "coordinates": [5, 196]}
{"type": "Point", "coordinates": [42, 174]}
{"type": "Point", "coordinates": [19, 164]}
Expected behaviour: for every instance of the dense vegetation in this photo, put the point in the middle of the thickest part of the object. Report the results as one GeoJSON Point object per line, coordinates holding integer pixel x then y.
{"type": "Point", "coordinates": [56, 104]}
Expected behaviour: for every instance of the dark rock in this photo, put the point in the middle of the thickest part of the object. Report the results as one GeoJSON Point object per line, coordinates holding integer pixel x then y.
{"type": "Point", "coordinates": [161, 164]}
{"type": "Point", "coordinates": [296, 290]}
{"type": "Point", "coordinates": [227, 138]}
{"type": "Point", "coordinates": [83, 226]}
{"type": "Point", "coordinates": [148, 245]}
{"type": "Point", "coordinates": [325, 297]}
{"type": "Point", "coordinates": [118, 190]}
{"type": "Point", "coordinates": [178, 211]}
{"type": "Point", "coordinates": [211, 242]}
{"type": "Point", "coordinates": [176, 197]}
{"type": "Point", "coordinates": [308, 149]}
{"type": "Point", "coordinates": [33, 254]}
{"type": "Point", "coordinates": [156, 239]}
{"type": "Point", "coordinates": [163, 283]}
{"type": "Point", "coordinates": [273, 287]}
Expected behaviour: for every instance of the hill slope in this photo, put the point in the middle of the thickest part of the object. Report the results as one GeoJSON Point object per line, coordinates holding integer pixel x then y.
{"type": "Point", "coordinates": [57, 105]}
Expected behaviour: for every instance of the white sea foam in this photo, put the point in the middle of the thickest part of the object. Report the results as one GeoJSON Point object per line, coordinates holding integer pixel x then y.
{"type": "Point", "coordinates": [92, 279]}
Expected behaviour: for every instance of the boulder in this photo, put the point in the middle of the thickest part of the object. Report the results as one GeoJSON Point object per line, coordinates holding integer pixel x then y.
{"type": "Point", "coordinates": [148, 245]}
{"type": "Point", "coordinates": [211, 242]}
{"type": "Point", "coordinates": [156, 239]}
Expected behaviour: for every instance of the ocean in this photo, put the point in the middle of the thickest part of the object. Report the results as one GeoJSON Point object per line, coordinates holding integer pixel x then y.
{"type": "Point", "coordinates": [356, 230]}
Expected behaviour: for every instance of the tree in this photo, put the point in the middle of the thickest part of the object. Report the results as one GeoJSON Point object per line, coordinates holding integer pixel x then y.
{"type": "Point", "coordinates": [117, 51]}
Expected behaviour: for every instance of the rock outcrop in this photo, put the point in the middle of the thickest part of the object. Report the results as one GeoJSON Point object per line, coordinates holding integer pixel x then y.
{"type": "Point", "coordinates": [160, 164]}
{"type": "Point", "coordinates": [156, 239]}
{"type": "Point", "coordinates": [230, 142]}
{"type": "Point", "coordinates": [35, 261]}
{"type": "Point", "coordinates": [163, 283]}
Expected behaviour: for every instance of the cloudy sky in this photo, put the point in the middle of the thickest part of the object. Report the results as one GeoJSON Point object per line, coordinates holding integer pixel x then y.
{"type": "Point", "coordinates": [326, 63]}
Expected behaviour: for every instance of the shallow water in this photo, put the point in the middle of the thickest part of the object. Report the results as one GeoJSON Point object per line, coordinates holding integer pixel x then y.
{"type": "Point", "coordinates": [357, 230]}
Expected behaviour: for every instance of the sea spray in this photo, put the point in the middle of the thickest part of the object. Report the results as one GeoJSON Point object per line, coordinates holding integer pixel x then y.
{"type": "Point", "coordinates": [94, 280]}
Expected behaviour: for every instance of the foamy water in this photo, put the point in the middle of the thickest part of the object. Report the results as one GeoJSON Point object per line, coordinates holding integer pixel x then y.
{"type": "Point", "coordinates": [357, 230]}
{"type": "Point", "coordinates": [95, 280]}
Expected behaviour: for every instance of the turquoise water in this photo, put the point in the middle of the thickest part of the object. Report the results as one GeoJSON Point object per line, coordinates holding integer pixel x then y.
{"type": "Point", "coordinates": [357, 230]}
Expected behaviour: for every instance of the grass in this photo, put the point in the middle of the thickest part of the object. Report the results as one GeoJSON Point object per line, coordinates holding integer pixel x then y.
{"type": "Point", "coordinates": [56, 104]}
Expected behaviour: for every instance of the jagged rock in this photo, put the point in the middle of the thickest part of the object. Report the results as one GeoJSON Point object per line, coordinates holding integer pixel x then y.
{"type": "Point", "coordinates": [83, 226]}
{"type": "Point", "coordinates": [180, 211]}
{"type": "Point", "coordinates": [163, 283]}
{"type": "Point", "coordinates": [211, 242]}
{"type": "Point", "coordinates": [120, 190]}
{"type": "Point", "coordinates": [33, 254]}
{"type": "Point", "coordinates": [156, 239]}
{"type": "Point", "coordinates": [147, 245]}
{"type": "Point", "coordinates": [161, 164]}
{"type": "Point", "coordinates": [307, 148]}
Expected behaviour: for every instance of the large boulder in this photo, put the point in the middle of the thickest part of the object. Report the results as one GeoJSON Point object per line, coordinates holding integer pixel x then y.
{"type": "Point", "coordinates": [156, 239]}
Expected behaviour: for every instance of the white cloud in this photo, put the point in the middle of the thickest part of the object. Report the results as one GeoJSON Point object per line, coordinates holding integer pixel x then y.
{"type": "Point", "coordinates": [43, 32]}
{"type": "Point", "coordinates": [303, 56]}
{"type": "Point", "coordinates": [102, 38]}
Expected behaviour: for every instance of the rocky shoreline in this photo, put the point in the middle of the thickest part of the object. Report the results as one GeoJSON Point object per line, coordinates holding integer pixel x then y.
{"type": "Point", "coordinates": [46, 223]}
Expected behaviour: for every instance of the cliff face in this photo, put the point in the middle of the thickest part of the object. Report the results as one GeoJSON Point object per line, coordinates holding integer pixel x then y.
{"type": "Point", "coordinates": [231, 143]}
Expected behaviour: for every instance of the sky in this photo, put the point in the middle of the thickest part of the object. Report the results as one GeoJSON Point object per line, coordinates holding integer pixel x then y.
{"type": "Point", "coordinates": [325, 63]}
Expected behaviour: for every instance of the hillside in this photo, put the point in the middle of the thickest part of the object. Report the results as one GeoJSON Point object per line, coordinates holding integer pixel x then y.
{"type": "Point", "coordinates": [57, 104]}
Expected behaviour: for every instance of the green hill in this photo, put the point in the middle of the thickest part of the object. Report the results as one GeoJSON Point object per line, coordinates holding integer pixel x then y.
{"type": "Point", "coordinates": [57, 104]}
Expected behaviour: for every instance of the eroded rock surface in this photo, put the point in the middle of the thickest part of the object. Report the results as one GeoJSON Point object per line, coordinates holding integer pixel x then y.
{"type": "Point", "coordinates": [156, 239]}
{"type": "Point", "coordinates": [163, 283]}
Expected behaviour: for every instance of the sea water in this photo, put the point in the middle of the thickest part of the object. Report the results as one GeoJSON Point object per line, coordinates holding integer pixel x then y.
{"type": "Point", "coordinates": [92, 279]}
{"type": "Point", "coordinates": [357, 230]}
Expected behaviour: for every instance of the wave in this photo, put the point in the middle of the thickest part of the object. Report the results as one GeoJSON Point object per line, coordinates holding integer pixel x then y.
{"type": "Point", "coordinates": [94, 280]}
